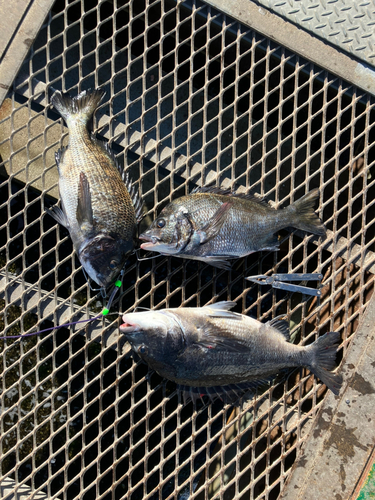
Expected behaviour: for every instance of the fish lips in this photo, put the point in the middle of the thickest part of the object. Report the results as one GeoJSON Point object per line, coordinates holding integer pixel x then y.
{"type": "Point", "coordinates": [151, 241]}
{"type": "Point", "coordinates": [128, 327]}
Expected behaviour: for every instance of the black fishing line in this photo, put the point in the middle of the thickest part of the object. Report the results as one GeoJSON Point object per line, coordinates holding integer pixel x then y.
{"type": "Point", "coordinates": [102, 314]}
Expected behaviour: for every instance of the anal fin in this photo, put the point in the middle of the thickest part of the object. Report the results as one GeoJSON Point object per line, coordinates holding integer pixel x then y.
{"type": "Point", "coordinates": [219, 261]}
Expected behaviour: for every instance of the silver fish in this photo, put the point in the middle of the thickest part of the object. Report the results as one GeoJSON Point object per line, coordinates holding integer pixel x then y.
{"type": "Point", "coordinates": [212, 350]}
{"type": "Point", "coordinates": [214, 225]}
{"type": "Point", "coordinates": [96, 206]}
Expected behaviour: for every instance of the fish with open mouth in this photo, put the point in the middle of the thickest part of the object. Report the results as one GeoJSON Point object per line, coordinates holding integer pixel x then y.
{"type": "Point", "coordinates": [214, 225]}
{"type": "Point", "coordinates": [96, 206]}
{"type": "Point", "coordinates": [216, 352]}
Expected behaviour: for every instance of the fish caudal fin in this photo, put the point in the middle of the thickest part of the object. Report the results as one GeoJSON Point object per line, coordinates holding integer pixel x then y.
{"type": "Point", "coordinates": [82, 106]}
{"type": "Point", "coordinates": [323, 352]}
{"type": "Point", "coordinates": [303, 215]}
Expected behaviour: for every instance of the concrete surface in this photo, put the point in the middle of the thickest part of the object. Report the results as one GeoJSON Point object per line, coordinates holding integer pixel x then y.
{"type": "Point", "coordinates": [342, 438]}
{"type": "Point", "coordinates": [299, 41]}
{"type": "Point", "coordinates": [21, 21]}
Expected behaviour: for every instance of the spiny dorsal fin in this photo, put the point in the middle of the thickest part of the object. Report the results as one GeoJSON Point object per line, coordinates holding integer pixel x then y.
{"type": "Point", "coordinates": [212, 189]}
{"type": "Point", "coordinates": [224, 305]}
{"type": "Point", "coordinates": [251, 195]}
{"type": "Point", "coordinates": [134, 195]}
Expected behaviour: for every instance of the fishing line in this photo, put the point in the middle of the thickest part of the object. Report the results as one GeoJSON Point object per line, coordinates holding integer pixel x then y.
{"type": "Point", "coordinates": [105, 311]}
{"type": "Point", "coordinates": [137, 252]}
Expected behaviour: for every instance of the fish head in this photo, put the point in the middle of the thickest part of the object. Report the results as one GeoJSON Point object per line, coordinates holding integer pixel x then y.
{"type": "Point", "coordinates": [153, 335]}
{"type": "Point", "coordinates": [170, 233]}
{"type": "Point", "coordinates": [103, 258]}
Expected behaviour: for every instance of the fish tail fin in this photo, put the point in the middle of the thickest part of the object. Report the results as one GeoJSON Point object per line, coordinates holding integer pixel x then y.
{"type": "Point", "coordinates": [82, 106]}
{"type": "Point", "coordinates": [303, 215]}
{"type": "Point", "coordinates": [323, 353]}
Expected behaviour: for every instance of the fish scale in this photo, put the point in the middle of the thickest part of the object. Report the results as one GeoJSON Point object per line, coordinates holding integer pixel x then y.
{"type": "Point", "coordinates": [106, 177]}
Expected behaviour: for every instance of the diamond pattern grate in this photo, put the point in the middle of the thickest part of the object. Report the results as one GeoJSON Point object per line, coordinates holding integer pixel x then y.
{"type": "Point", "coordinates": [192, 97]}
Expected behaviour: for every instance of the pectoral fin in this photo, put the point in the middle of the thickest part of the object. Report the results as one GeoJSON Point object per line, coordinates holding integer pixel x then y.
{"type": "Point", "coordinates": [229, 344]}
{"type": "Point", "coordinates": [58, 215]}
{"type": "Point", "coordinates": [213, 226]}
{"type": "Point", "coordinates": [84, 207]}
{"type": "Point", "coordinates": [209, 339]}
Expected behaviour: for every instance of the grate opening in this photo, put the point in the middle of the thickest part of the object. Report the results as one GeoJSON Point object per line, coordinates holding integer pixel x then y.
{"type": "Point", "coordinates": [192, 97]}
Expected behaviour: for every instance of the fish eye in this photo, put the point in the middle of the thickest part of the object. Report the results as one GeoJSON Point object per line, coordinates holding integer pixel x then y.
{"type": "Point", "coordinates": [113, 264]}
{"type": "Point", "coordinates": [160, 223]}
{"type": "Point", "coordinates": [142, 349]}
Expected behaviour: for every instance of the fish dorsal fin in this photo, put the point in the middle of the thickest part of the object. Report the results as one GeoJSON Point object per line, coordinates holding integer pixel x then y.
{"type": "Point", "coordinates": [212, 190]}
{"type": "Point", "coordinates": [251, 195]}
{"type": "Point", "coordinates": [134, 195]}
{"type": "Point", "coordinates": [84, 206]}
{"type": "Point", "coordinates": [281, 325]}
{"type": "Point", "coordinates": [222, 306]}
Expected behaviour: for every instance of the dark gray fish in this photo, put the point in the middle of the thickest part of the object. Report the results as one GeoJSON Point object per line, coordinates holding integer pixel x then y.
{"type": "Point", "coordinates": [211, 350]}
{"type": "Point", "coordinates": [214, 225]}
{"type": "Point", "coordinates": [96, 206]}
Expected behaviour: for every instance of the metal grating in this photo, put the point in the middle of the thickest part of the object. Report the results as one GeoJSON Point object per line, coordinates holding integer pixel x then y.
{"type": "Point", "coordinates": [192, 97]}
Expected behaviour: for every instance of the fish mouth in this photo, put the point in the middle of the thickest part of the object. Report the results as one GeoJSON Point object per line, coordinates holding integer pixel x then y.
{"type": "Point", "coordinates": [128, 326]}
{"type": "Point", "coordinates": [151, 241]}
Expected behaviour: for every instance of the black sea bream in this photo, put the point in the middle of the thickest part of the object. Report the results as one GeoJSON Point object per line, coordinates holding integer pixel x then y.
{"type": "Point", "coordinates": [211, 350]}
{"type": "Point", "coordinates": [96, 206]}
{"type": "Point", "coordinates": [214, 225]}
